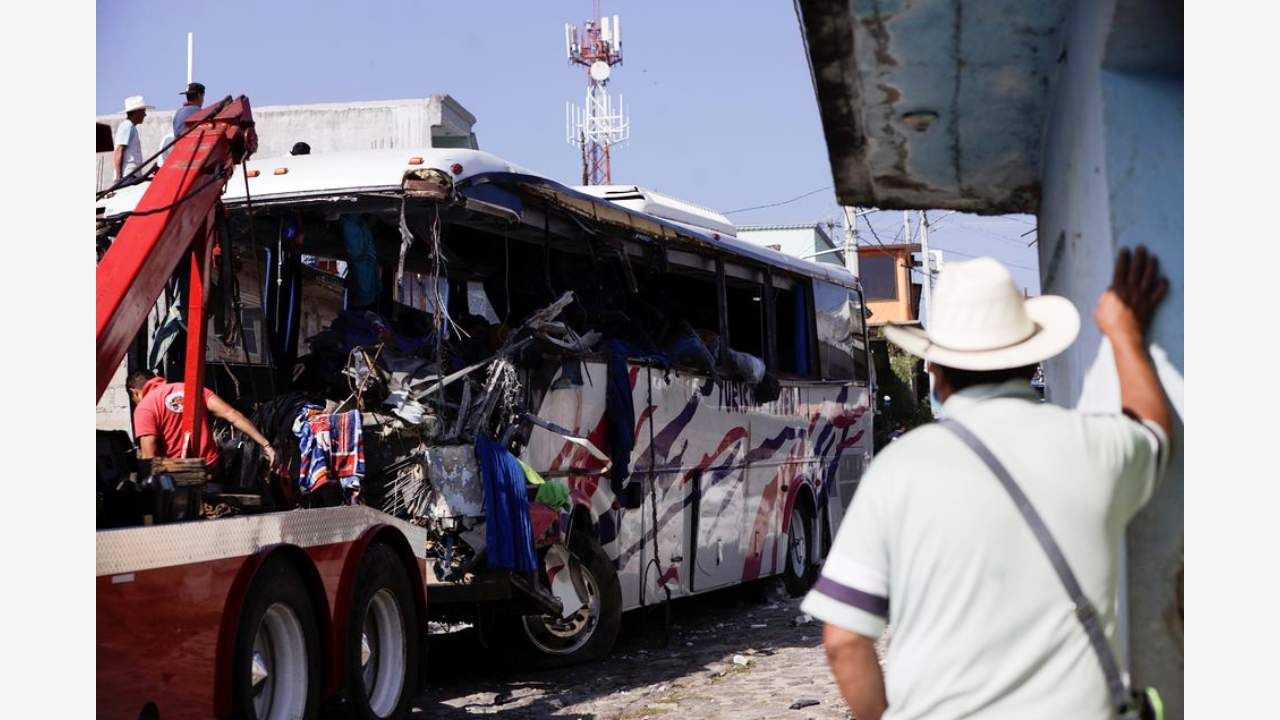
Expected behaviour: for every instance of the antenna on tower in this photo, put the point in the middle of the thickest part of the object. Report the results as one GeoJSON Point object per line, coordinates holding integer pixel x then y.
{"type": "Point", "coordinates": [597, 125]}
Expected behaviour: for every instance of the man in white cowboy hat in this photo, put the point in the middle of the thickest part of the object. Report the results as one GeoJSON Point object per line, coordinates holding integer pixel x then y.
{"type": "Point", "coordinates": [933, 545]}
{"type": "Point", "coordinates": [128, 153]}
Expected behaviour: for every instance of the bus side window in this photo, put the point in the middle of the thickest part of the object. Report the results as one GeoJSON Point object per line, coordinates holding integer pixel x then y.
{"type": "Point", "coordinates": [841, 346]}
{"type": "Point", "coordinates": [746, 316]}
{"type": "Point", "coordinates": [861, 351]}
{"type": "Point", "coordinates": [791, 317]}
{"type": "Point", "coordinates": [684, 307]}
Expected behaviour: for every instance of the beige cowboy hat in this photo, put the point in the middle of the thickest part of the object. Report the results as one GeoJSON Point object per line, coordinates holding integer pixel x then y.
{"type": "Point", "coordinates": [978, 320]}
{"type": "Point", "coordinates": [135, 102]}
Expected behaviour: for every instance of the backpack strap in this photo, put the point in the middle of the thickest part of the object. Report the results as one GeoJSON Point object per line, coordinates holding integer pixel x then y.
{"type": "Point", "coordinates": [1085, 611]}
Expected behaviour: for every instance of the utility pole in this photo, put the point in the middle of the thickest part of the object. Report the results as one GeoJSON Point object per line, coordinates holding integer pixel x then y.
{"type": "Point", "coordinates": [850, 238]}
{"type": "Point", "coordinates": [926, 293]}
{"type": "Point", "coordinates": [927, 298]}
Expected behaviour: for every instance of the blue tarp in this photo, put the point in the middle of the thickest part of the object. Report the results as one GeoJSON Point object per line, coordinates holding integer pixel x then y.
{"type": "Point", "coordinates": [508, 533]}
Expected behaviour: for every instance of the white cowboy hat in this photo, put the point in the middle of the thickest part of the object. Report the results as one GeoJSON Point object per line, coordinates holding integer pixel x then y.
{"type": "Point", "coordinates": [135, 102]}
{"type": "Point", "coordinates": [980, 321]}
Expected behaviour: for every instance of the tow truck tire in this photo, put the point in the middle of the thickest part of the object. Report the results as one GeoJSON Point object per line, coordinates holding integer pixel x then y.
{"type": "Point", "coordinates": [800, 569]}
{"type": "Point", "coordinates": [382, 639]}
{"type": "Point", "coordinates": [276, 666]}
{"type": "Point", "coordinates": [541, 642]}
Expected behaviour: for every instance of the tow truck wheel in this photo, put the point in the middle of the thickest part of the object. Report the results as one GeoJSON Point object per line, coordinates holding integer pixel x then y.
{"type": "Point", "coordinates": [548, 642]}
{"type": "Point", "coordinates": [276, 668]}
{"type": "Point", "coordinates": [382, 631]}
{"type": "Point", "coordinates": [800, 570]}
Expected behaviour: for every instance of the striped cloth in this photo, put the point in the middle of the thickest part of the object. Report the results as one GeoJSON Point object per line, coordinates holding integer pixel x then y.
{"type": "Point", "coordinates": [331, 446]}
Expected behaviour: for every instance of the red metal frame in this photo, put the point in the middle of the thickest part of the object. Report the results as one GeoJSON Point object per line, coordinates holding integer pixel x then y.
{"type": "Point", "coordinates": [166, 635]}
{"type": "Point", "coordinates": [176, 215]}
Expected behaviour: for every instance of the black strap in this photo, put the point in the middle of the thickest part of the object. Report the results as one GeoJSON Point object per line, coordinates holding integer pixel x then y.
{"type": "Point", "coordinates": [1085, 611]}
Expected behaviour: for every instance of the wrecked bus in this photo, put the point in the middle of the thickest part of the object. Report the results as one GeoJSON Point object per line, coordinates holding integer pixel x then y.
{"type": "Point", "coordinates": [496, 399]}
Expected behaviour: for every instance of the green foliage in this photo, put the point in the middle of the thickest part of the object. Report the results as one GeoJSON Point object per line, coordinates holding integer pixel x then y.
{"type": "Point", "coordinates": [903, 410]}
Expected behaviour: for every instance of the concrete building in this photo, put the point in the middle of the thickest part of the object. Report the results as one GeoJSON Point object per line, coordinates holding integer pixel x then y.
{"type": "Point", "coordinates": [887, 285]}
{"type": "Point", "coordinates": [812, 241]}
{"type": "Point", "coordinates": [1071, 111]}
{"type": "Point", "coordinates": [436, 121]}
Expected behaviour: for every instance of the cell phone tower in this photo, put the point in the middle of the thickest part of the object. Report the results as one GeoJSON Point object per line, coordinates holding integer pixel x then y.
{"type": "Point", "coordinates": [597, 125]}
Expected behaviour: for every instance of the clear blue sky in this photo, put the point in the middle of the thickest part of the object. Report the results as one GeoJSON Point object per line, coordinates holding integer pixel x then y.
{"type": "Point", "coordinates": [721, 103]}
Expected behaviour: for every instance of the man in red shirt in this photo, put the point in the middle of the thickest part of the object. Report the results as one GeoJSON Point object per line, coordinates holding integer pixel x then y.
{"type": "Point", "coordinates": [157, 420]}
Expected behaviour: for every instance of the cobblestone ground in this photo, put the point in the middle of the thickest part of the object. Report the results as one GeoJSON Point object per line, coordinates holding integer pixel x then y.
{"type": "Point", "coordinates": [741, 653]}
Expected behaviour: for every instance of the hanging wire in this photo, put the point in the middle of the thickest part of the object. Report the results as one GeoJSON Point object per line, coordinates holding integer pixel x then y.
{"type": "Point", "coordinates": [781, 203]}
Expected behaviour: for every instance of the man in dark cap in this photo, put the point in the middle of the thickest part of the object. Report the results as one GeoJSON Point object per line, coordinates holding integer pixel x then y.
{"type": "Point", "coordinates": [195, 99]}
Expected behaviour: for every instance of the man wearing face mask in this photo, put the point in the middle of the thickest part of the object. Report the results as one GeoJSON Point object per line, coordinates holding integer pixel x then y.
{"type": "Point", "coordinates": [937, 544]}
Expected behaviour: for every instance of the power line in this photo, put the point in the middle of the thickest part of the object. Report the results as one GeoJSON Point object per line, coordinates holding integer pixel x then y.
{"type": "Point", "coordinates": [903, 263]}
{"type": "Point", "coordinates": [957, 252]}
{"type": "Point", "coordinates": [783, 202]}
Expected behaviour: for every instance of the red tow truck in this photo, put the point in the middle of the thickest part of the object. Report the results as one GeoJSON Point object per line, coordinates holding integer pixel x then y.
{"type": "Point", "coordinates": [258, 616]}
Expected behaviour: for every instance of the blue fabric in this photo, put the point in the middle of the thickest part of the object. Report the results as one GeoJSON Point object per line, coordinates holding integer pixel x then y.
{"type": "Point", "coordinates": [801, 335]}
{"type": "Point", "coordinates": [364, 283]}
{"type": "Point", "coordinates": [180, 118]}
{"type": "Point", "coordinates": [279, 321]}
{"type": "Point", "coordinates": [619, 413]}
{"type": "Point", "coordinates": [690, 349]}
{"type": "Point", "coordinates": [508, 532]}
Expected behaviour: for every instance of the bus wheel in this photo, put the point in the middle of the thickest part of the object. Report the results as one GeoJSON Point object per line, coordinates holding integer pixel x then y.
{"type": "Point", "coordinates": [276, 667]}
{"type": "Point", "coordinates": [546, 641]}
{"type": "Point", "coordinates": [800, 570]}
{"type": "Point", "coordinates": [382, 632]}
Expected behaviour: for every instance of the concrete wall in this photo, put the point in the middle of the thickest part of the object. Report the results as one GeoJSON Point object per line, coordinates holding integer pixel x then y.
{"type": "Point", "coordinates": [112, 412]}
{"type": "Point", "coordinates": [1112, 177]}
{"type": "Point", "coordinates": [436, 121]}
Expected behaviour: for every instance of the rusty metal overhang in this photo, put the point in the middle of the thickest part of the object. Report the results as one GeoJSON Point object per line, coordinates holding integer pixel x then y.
{"type": "Point", "coordinates": [933, 103]}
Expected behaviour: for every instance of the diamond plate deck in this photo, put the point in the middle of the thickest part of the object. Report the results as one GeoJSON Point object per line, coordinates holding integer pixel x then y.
{"type": "Point", "coordinates": [145, 548]}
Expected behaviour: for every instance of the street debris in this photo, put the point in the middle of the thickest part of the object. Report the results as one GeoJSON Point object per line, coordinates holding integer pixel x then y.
{"type": "Point", "coordinates": [801, 704]}
{"type": "Point", "coordinates": [741, 660]}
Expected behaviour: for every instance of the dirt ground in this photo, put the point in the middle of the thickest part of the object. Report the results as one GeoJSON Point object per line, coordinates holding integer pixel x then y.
{"type": "Point", "coordinates": [740, 653]}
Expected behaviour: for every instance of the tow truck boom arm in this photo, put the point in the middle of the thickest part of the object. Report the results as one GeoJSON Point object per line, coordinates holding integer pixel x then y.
{"type": "Point", "coordinates": [176, 216]}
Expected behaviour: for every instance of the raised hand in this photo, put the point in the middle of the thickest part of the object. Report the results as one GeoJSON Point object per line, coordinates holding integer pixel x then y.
{"type": "Point", "coordinates": [1125, 309]}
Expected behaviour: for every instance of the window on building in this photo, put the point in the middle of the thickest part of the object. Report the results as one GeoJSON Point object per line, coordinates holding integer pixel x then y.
{"type": "Point", "coordinates": [879, 276]}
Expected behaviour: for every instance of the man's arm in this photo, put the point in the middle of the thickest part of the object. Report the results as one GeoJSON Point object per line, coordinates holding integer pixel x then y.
{"type": "Point", "coordinates": [117, 159]}
{"type": "Point", "coordinates": [220, 408]}
{"type": "Point", "coordinates": [1124, 315]}
{"type": "Point", "coordinates": [146, 447]}
{"type": "Point", "coordinates": [854, 664]}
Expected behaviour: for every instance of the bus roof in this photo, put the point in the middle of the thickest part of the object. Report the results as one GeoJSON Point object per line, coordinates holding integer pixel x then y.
{"type": "Point", "coordinates": [303, 177]}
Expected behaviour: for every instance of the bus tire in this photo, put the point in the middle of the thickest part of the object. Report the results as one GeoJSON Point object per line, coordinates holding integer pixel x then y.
{"type": "Point", "coordinates": [546, 642]}
{"type": "Point", "coordinates": [276, 663]}
{"type": "Point", "coordinates": [382, 639]}
{"type": "Point", "coordinates": [800, 570]}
